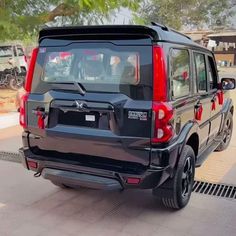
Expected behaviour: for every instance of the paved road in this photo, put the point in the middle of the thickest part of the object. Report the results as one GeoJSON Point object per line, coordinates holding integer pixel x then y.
{"type": "Point", "coordinates": [32, 206]}
{"type": "Point", "coordinates": [10, 139]}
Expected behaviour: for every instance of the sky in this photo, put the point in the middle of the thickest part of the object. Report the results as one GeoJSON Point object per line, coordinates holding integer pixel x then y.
{"type": "Point", "coordinates": [124, 16]}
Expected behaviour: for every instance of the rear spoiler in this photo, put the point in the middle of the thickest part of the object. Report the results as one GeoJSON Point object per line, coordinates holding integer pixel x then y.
{"type": "Point", "coordinates": [101, 30]}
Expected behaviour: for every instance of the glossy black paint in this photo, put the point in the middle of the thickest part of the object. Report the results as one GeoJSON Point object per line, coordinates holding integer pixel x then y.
{"type": "Point", "coordinates": [116, 147]}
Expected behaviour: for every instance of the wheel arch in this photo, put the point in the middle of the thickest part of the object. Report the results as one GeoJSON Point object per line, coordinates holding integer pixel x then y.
{"type": "Point", "coordinates": [193, 142]}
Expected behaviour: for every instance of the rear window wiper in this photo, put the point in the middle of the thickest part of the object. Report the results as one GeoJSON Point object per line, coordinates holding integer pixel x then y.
{"type": "Point", "coordinates": [80, 88]}
{"type": "Point", "coordinates": [75, 86]}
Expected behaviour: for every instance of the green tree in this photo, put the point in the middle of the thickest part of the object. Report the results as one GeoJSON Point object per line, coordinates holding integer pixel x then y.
{"type": "Point", "coordinates": [21, 19]}
{"type": "Point", "coordinates": [186, 13]}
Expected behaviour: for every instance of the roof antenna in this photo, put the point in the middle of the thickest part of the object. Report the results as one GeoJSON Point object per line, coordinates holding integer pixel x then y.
{"type": "Point", "coordinates": [160, 25]}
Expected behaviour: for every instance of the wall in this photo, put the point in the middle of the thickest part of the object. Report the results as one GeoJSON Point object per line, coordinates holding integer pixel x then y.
{"type": "Point", "coordinates": [225, 57]}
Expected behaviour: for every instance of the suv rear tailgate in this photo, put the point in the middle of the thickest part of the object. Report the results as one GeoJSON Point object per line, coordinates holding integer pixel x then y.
{"type": "Point", "coordinates": [112, 135]}
{"type": "Point", "coordinates": [112, 118]}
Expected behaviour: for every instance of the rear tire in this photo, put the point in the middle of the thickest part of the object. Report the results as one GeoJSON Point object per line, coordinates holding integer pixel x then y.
{"type": "Point", "coordinates": [228, 130]}
{"type": "Point", "coordinates": [176, 192]}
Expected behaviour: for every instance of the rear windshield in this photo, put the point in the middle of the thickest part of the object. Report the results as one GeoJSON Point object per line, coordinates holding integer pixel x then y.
{"type": "Point", "coordinates": [5, 51]}
{"type": "Point", "coordinates": [101, 67]}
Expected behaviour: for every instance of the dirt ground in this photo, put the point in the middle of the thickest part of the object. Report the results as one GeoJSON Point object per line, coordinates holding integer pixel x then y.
{"type": "Point", "coordinates": [7, 100]}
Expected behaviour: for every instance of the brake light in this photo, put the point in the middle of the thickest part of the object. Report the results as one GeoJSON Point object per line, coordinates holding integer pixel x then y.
{"type": "Point", "coordinates": [23, 101]}
{"type": "Point", "coordinates": [162, 111]}
{"type": "Point", "coordinates": [30, 73]}
{"type": "Point", "coordinates": [159, 75]}
{"type": "Point", "coordinates": [163, 130]}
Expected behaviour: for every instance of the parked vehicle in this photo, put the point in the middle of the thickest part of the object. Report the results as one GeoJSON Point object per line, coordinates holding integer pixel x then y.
{"type": "Point", "coordinates": [11, 78]}
{"type": "Point", "coordinates": [14, 54]}
{"type": "Point", "coordinates": [118, 107]}
{"type": "Point", "coordinates": [13, 66]}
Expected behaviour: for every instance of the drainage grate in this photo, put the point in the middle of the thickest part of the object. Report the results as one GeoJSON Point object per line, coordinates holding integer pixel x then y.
{"type": "Point", "coordinates": [10, 156]}
{"type": "Point", "coordinates": [213, 189]}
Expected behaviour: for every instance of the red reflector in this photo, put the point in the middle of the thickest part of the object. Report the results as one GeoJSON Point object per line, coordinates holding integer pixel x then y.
{"type": "Point", "coordinates": [159, 75]}
{"type": "Point", "coordinates": [30, 73]}
{"type": "Point", "coordinates": [32, 164]}
{"type": "Point", "coordinates": [132, 180]}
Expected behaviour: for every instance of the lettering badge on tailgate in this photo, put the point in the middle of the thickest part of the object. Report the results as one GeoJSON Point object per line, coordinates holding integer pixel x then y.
{"type": "Point", "coordinates": [137, 115]}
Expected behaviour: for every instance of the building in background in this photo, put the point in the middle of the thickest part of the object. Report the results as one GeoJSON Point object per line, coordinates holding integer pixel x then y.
{"type": "Point", "coordinates": [225, 47]}
{"type": "Point", "coordinates": [222, 43]}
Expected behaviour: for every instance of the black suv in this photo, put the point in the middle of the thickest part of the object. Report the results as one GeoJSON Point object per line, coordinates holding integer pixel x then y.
{"type": "Point", "coordinates": [118, 107]}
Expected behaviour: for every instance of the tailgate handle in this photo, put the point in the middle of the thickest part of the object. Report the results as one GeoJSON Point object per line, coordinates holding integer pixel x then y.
{"type": "Point", "coordinates": [41, 114]}
{"type": "Point", "coordinates": [83, 107]}
{"type": "Point", "coordinates": [39, 111]}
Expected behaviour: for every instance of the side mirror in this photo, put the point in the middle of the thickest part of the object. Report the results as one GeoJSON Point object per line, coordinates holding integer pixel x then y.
{"type": "Point", "coordinates": [228, 84]}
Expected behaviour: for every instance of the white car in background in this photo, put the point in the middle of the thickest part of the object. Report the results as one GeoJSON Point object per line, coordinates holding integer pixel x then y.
{"type": "Point", "coordinates": [12, 55]}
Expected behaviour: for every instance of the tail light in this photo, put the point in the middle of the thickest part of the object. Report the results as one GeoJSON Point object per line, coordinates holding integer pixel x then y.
{"type": "Point", "coordinates": [159, 75]}
{"type": "Point", "coordinates": [30, 73]}
{"type": "Point", "coordinates": [23, 117]}
{"type": "Point", "coordinates": [28, 84]}
{"type": "Point", "coordinates": [163, 130]}
{"type": "Point", "coordinates": [162, 111]}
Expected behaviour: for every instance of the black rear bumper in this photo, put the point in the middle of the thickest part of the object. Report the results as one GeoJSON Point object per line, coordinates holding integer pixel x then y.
{"type": "Point", "coordinates": [80, 179]}
{"type": "Point", "coordinates": [76, 174]}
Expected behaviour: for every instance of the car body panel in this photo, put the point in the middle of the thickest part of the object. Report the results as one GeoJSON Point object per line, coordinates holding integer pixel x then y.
{"type": "Point", "coordinates": [115, 140]}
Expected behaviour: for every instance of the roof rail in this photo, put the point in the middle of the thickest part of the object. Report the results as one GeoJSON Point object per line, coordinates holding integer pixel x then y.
{"type": "Point", "coordinates": [164, 27]}
{"type": "Point", "coordinates": [160, 25]}
{"type": "Point", "coordinates": [177, 32]}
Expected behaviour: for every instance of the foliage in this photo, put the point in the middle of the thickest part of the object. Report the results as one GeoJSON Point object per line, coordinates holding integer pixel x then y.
{"type": "Point", "coordinates": [186, 13]}
{"type": "Point", "coordinates": [21, 19]}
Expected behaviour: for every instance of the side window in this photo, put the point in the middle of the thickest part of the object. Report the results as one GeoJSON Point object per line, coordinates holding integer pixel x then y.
{"type": "Point", "coordinates": [212, 73]}
{"type": "Point", "coordinates": [180, 72]}
{"type": "Point", "coordinates": [201, 72]}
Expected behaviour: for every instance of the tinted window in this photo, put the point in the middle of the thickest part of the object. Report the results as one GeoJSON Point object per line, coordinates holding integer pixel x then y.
{"type": "Point", "coordinates": [212, 73]}
{"type": "Point", "coordinates": [93, 66]}
{"type": "Point", "coordinates": [180, 72]}
{"type": "Point", "coordinates": [100, 67]}
{"type": "Point", "coordinates": [201, 72]}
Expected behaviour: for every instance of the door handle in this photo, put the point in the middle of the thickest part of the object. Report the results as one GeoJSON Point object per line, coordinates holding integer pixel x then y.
{"type": "Point", "coordinates": [198, 111]}
{"type": "Point", "coordinates": [39, 111]}
{"type": "Point", "coordinates": [213, 99]}
{"type": "Point", "coordinates": [213, 103]}
{"type": "Point", "coordinates": [198, 105]}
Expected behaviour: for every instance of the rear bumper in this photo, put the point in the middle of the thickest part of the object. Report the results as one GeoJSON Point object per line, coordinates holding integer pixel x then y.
{"type": "Point", "coordinates": [97, 178]}
{"type": "Point", "coordinates": [81, 179]}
